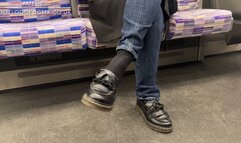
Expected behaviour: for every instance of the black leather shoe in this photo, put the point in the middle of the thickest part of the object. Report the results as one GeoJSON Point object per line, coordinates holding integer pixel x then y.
{"type": "Point", "coordinates": [102, 91]}
{"type": "Point", "coordinates": [155, 116]}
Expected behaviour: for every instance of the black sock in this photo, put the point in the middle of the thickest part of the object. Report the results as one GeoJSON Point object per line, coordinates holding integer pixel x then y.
{"type": "Point", "coordinates": [120, 62]}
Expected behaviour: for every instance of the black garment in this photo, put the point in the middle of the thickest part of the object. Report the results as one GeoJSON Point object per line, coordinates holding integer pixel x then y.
{"type": "Point", "coordinates": [169, 8]}
{"type": "Point", "coordinates": [120, 62]}
{"type": "Point", "coordinates": [107, 17]}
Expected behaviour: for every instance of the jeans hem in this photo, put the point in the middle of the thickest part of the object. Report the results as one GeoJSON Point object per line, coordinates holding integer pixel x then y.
{"type": "Point", "coordinates": [132, 51]}
{"type": "Point", "coordinates": [148, 98]}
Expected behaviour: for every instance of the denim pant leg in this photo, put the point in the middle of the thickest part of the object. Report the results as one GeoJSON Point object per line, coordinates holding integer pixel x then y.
{"type": "Point", "coordinates": [139, 16]}
{"type": "Point", "coordinates": [147, 62]}
{"type": "Point", "coordinates": [141, 36]}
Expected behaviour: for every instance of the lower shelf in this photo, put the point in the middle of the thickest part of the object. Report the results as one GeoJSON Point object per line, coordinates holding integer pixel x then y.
{"type": "Point", "coordinates": [216, 44]}
{"type": "Point", "coordinates": [18, 78]}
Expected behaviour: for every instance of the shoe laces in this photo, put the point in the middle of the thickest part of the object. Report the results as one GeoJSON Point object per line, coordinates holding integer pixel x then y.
{"type": "Point", "coordinates": [106, 81]}
{"type": "Point", "coordinates": [155, 106]}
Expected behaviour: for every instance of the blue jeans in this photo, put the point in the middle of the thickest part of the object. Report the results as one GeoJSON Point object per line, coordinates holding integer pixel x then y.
{"type": "Point", "coordinates": [141, 35]}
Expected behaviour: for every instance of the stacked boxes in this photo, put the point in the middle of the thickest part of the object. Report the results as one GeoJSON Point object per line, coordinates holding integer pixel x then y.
{"type": "Point", "coordinates": [42, 37]}
{"type": "Point", "coordinates": [189, 21]}
{"type": "Point", "coordinates": [184, 5]}
{"type": "Point", "coordinates": [83, 8]}
{"type": "Point", "coordinates": [29, 27]}
{"type": "Point", "coordinates": [199, 22]}
{"type": "Point", "coordinates": [83, 12]}
{"type": "Point", "coordinates": [91, 36]}
{"type": "Point", "coordinates": [12, 11]}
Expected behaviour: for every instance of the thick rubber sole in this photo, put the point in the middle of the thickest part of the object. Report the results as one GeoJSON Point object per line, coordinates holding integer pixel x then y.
{"type": "Point", "coordinates": [153, 126]}
{"type": "Point", "coordinates": [92, 103]}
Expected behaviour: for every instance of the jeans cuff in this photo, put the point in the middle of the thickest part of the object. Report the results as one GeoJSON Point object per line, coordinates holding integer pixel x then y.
{"type": "Point", "coordinates": [132, 51]}
{"type": "Point", "coordinates": [149, 98]}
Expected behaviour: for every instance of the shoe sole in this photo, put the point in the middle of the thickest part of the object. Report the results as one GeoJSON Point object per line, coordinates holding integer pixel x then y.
{"type": "Point", "coordinates": [153, 126]}
{"type": "Point", "coordinates": [92, 103]}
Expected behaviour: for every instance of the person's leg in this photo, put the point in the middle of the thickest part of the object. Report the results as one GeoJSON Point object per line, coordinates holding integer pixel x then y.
{"type": "Point", "coordinates": [119, 63]}
{"type": "Point", "coordinates": [147, 62]}
{"type": "Point", "coordinates": [139, 16]}
{"type": "Point", "coordinates": [147, 91]}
